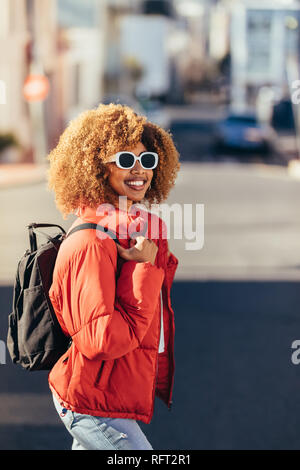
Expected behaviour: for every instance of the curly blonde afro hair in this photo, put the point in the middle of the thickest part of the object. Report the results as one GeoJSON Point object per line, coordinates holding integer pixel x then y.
{"type": "Point", "coordinates": [77, 163]}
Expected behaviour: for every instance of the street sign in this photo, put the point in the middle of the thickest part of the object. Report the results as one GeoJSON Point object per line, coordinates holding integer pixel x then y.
{"type": "Point", "coordinates": [36, 88]}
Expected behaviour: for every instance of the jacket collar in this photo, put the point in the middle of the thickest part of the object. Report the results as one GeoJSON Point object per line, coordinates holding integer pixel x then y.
{"type": "Point", "coordinates": [124, 223]}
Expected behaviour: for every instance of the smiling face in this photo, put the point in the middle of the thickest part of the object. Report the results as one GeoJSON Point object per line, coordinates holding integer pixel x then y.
{"type": "Point", "coordinates": [132, 183]}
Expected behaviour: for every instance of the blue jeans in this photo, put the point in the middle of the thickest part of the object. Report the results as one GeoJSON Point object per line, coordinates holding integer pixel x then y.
{"type": "Point", "coordinates": [97, 433]}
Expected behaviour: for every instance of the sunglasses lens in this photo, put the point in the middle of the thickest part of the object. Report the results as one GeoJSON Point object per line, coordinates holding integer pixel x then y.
{"type": "Point", "coordinates": [148, 161]}
{"type": "Point", "coordinates": [126, 160]}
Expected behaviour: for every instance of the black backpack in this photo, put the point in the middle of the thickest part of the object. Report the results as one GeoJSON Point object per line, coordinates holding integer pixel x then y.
{"type": "Point", "coordinates": [35, 339]}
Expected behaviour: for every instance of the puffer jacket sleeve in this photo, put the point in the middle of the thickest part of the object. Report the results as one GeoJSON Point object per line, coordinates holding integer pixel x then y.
{"type": "Point", "coordinates": [109, 317]}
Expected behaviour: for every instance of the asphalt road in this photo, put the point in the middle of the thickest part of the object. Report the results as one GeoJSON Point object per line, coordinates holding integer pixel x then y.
{"type": "Point", "coordinates": [236, 303]}
{"type": "Point", "coordinates": [235, 385]}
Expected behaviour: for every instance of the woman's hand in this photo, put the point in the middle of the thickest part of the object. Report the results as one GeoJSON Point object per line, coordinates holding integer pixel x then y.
{"type": "Point", "coordinates": [141, 250]}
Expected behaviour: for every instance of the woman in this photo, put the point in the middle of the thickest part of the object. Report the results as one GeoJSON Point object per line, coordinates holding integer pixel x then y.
{"type": "Point", "coordinates": [116, 309]}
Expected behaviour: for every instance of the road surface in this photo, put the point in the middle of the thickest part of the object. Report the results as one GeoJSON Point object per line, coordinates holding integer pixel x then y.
{"type": "Point", "coordinates": [236, 303]}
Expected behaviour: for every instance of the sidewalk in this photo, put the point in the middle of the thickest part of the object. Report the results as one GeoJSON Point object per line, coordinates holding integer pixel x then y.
{"type": "Point", "coordinates": [15, 174]}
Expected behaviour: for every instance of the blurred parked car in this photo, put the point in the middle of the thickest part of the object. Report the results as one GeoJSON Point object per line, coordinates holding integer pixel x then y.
{"type": "Point", "coordinates": [243, 132]}
{"type": "Point", "coordinates": [282, 118]}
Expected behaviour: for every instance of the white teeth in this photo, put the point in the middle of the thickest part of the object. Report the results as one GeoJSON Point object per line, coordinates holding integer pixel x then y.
{"type": "Point", "coordinates": [135, 183]}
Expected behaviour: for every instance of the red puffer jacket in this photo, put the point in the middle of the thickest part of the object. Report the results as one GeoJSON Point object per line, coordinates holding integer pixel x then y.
{"type": "Point", "coordinates": [111, 308]}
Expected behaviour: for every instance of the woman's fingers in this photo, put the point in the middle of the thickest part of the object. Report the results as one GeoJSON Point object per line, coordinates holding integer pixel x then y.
{"type": "Point", "coordinates": [141, 250]}
{"type": "Point", "coordinates": [132, 242]}
{"type": "Point", "coordinates": [142, 243]}
{"type": "Point", "coordinates": [123, 252]}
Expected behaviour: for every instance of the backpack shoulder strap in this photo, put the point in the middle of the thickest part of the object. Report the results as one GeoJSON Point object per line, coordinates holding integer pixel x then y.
{"type": "Point", "coordinates": [97, 227]}
{"type": "Point", "coordinates": [32, 236]}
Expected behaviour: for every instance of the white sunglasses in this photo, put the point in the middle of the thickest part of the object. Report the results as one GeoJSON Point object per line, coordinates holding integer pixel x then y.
{"type": "Point", "coordinates": [126, 160]}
